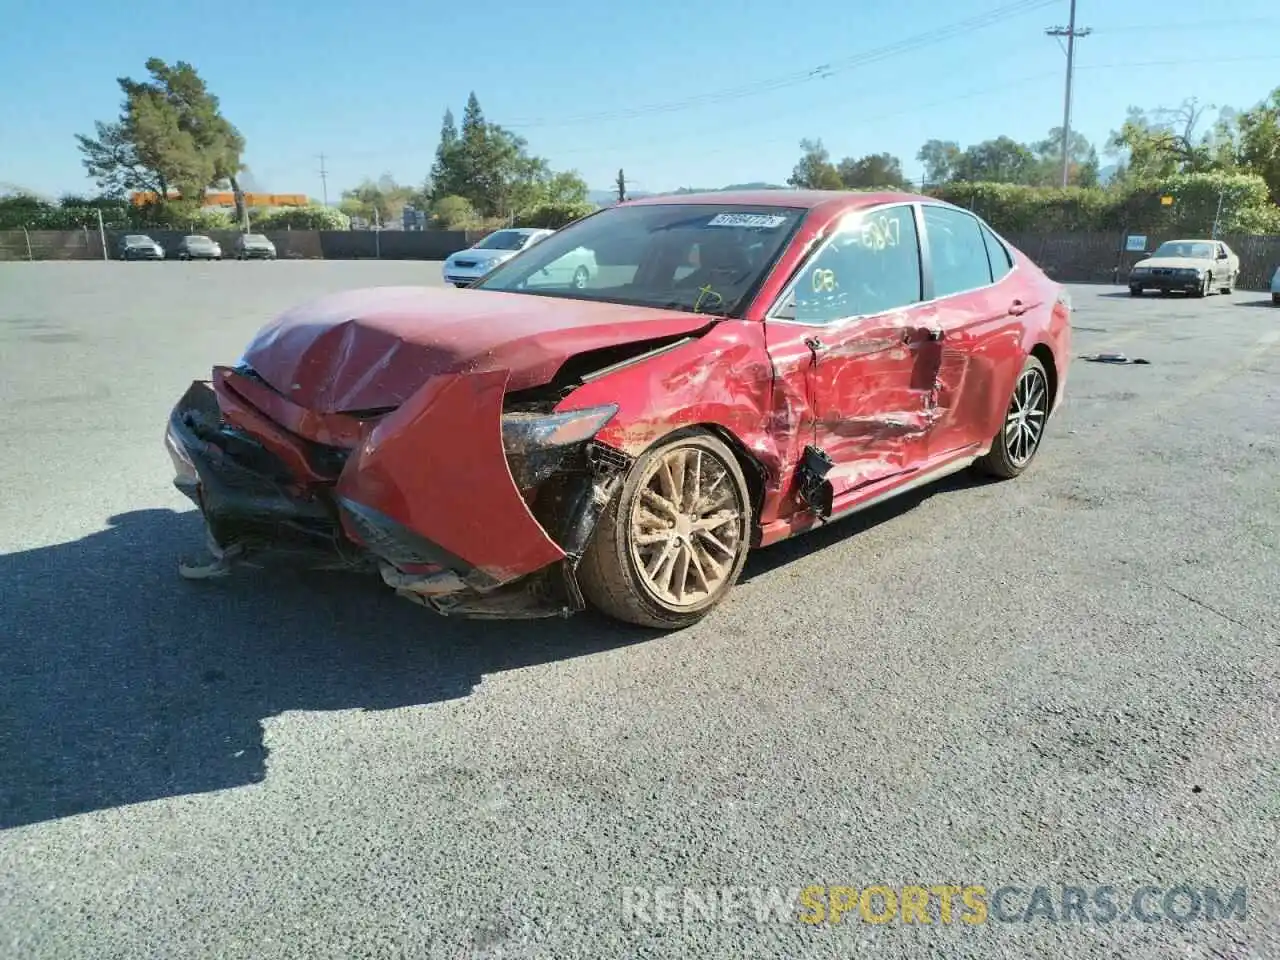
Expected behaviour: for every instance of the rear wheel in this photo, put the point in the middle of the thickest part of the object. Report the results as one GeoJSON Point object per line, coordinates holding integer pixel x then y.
{"type": "Point", "coordinates": [1015, 446]}
{"type": "Point", "coordinates": [1230, 282]}
{"type": "Point", "coordinates": [1135, 291]}
{"type": "Point", "coordinates": [672, 543]}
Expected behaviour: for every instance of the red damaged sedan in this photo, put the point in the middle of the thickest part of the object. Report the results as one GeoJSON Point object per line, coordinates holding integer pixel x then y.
{"type": "Point", "coordinates": [740, 368]}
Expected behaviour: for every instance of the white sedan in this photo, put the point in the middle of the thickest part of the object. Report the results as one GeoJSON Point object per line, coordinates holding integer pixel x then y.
{"type": "Point", "coordinates": [467, 266]}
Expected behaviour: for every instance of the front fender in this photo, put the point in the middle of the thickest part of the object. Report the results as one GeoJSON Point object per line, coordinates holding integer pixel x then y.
{"type": "Point", "coordinates": [436, 467]}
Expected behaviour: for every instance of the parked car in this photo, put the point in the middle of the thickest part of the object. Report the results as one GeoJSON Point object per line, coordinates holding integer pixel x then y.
{"type": "Point", "coordinates": [747, 366]}
{"type": "Point", "coordinates": [197, 247]}
{"type": "Point", "coordinates": [254, 246]}
{"type": "Point", "coordinates": [1275, 287]}
{"type": "Point", "coordinates": [1197, 267]}
{"type": "Point", "coordinates": [467, 266]}
{"type": "Point", "coordinates": [138, 246]}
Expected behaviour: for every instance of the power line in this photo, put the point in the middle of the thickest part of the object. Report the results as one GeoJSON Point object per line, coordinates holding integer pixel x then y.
{"type": "Point", "coordinates": [1233, 23]}
{"type": "Point", "coordinates": [1072, 33]}
{"type": "Point", "coordinates": [818, 72]}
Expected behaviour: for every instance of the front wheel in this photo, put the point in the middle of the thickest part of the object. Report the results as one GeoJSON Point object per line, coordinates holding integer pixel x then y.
{"type": "Point", "coordinates": [1206, 286]}
{"type": "Point", "coordinates": [580, 278]}
{"type": "Point", "coordinates": [1015, 446]}
{"type": "Point", "coordinates": [672, 542]}
{"type": "Point", "coordinates": [1229, 285]}
{"type": "Point", "coordinates": [1135, 291]}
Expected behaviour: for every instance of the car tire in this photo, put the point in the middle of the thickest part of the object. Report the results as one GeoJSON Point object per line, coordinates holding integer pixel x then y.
{"type": "Point", "coordinates": [1135, 291]}
{"type": "Point", "coordinates": [1227, 287]}
{"type": "Point", "coordinates": [1206, 286]}
{"type": "Point", "coordinates": [661, 527]}
{"type": "Point", "coordinates": [581, 277]}
{"type": "Point", "coordinates": [1017, 443]}
{"type": "Point", "coordinates": [1275, 299]}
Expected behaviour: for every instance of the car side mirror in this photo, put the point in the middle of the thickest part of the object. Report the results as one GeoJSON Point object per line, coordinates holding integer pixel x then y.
{"type": "Point", "coordinates": [1223, 256]}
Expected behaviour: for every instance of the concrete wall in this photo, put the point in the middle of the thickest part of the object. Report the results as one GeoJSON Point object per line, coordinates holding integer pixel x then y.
{"type": "Point", "coordinates": [1067, 257]}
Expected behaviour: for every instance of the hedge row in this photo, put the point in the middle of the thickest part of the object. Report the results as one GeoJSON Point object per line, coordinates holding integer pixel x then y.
{"type": "Point", "coordinates": [1237, 201]}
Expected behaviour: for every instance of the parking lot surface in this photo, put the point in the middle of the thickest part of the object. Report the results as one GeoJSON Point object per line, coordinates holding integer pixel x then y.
{"type": "Point", "coordinates": [1070, 678]}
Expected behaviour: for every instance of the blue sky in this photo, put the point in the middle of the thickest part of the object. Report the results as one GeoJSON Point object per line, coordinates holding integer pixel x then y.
{"type": "Point", "coordinates": [678, 93]}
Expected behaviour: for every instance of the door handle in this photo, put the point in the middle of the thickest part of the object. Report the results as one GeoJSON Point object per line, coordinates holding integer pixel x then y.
{"type": "Point", "coordinates": [1018, 308]}
{"type": "Point", "coordinates": [815, 344]}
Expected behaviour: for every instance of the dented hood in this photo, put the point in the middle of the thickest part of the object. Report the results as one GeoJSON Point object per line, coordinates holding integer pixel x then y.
{"type": "Point", "coordinates": [371, 349]}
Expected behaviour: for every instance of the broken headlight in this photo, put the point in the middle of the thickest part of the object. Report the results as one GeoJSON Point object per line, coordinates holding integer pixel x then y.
{"type": "Point", "coordinates": [538, 444]}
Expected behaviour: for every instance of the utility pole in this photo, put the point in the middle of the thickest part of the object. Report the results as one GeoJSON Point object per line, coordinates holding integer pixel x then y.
{"type": "Point", "coordinates": [324, 181]}
{"type": "Point", "coordinates": [1071, 33]}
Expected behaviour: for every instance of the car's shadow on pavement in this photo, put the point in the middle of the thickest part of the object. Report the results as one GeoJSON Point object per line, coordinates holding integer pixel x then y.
{"type": "Point", "coordinates": [1269, 304]}
{"type": "Point", "coordinates": [120, 682]}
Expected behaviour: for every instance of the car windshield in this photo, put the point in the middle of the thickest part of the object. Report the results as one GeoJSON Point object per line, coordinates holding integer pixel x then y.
{"type": "Point", "coordinates": [503, 240]}
{"type": "Point", "coordinates": [702, 258]}
{"type": "Point", "coordinates": [254, 238]}
{"type": "Point", "coordinates": [136, 241]}
{"type": "Point", "coordinates": [1185, 248]}
{"type": "Point", "coordinates": [198, 240]}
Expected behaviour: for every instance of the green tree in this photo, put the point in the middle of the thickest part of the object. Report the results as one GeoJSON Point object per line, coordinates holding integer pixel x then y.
{"type": "Point", "coordinates": [1002, 160]}
{"type": "Point", "coordinates": [939, 158]}
{"type": "Point", "coordinates": [453, 213]}
{"type": "Point", "coordinates": [170, 135]}
{"type": "Point", "coordinates": [1165, 141]}
{"type": "Point", "coordinates": [445, 166]}
{"type": "Point", "coordinates": [815, 171]}
{"type": "Point", "coordinates": [876, 170]}
{"type": "Point", "coordinates": [492, 168]}
{"type": "Point", "coordinates": [382, 199]}
{"type": "Point", "coordinates": [1257, 142]}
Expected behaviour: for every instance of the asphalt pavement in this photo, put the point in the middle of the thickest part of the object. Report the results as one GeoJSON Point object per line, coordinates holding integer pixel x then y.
{"type": "Point", "coordinates": [1072, 678]}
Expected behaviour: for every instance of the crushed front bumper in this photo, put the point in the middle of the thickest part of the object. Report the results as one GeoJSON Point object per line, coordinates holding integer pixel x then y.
{"type": "Point", "coordinates": [462, 538]}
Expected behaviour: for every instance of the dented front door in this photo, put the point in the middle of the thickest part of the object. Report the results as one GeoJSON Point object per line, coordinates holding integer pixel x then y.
{"type": "Point", "coordinates": [853, 322]}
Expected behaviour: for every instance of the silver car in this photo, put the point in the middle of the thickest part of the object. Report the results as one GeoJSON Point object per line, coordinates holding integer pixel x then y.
{"type": "Point", "coordinates": [1275, 287]}
{"type": "Point", "coordinates": [197, 247]}
{"type": "Point", "coordinates": [467, 266]}
{"type": "Point", "coordinates": [139, 246]}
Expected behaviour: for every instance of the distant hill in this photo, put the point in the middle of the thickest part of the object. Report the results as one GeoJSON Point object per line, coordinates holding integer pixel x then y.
{"type": "Point", "coordinates": [757, 185]}
{"type": "Point", "coordinates": [606, 198]}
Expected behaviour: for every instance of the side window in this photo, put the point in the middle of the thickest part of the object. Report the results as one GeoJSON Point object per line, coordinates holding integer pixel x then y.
{"type": "Point", "coordinates": [957, 252]}
{"type": "Point", "coordinates": [997, 253]}
{"type": "Point", "coordinates": [872, 265]}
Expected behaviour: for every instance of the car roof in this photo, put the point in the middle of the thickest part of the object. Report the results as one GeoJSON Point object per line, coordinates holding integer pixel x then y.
{"type": "Point", "coordinates": [830, 200]}
{"type": "Point", "coordinates": [1192, 240]}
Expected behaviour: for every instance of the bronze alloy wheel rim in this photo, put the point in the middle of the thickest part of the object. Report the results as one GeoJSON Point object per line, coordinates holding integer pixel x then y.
{"type": "Point", "coordinates": [1024, 425]}
{"type": "Point", "coordinates": [686, 526]}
